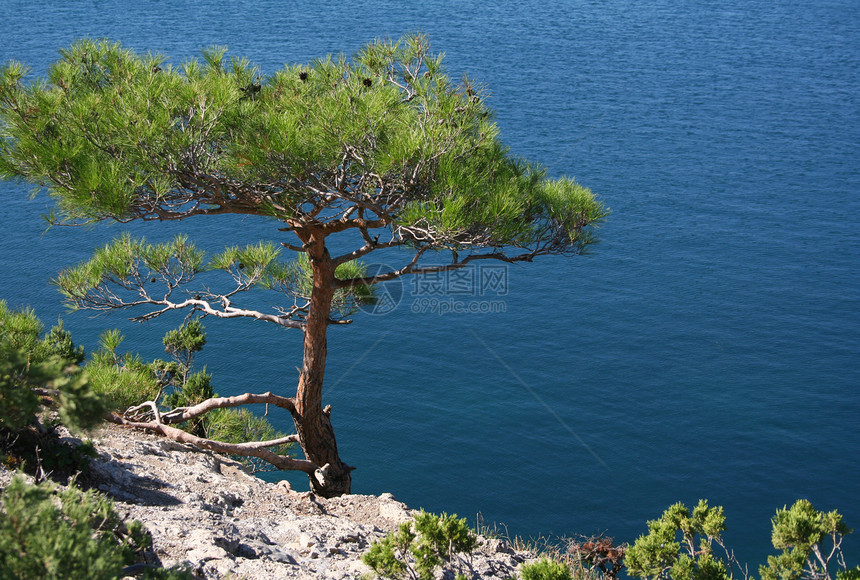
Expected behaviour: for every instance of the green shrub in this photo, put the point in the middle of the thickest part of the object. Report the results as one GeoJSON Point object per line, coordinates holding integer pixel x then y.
{"type": "Point", "coordinates": [124, 380]}
{"type": "Point", "coordinates": [240, 425]}
{"type": "Point", "coordinates": [196, 389]}
{"type": "Point", "coordinates": [546, 569]}
{"type": "Point", "coordinates": [422, 545]}
{"type": "Point", "coordinates": [78, 536]}
{"type": "Point", "coordinates": [680, 545]}
{"type": "Point", "coordinates": [811, 544]}
{"type": "Point", "coordinates": [123, 386]}
{"type": "Point", "coordinates": [42, 453]}
{"type": "Point", "coordinates": [18, 402]}
{"type": "Point", "coordinates": [183, 343]}
{"type": "Point", "coordinates": [189, 388]}
{"type": "Point", "coordinates": [35, 371]}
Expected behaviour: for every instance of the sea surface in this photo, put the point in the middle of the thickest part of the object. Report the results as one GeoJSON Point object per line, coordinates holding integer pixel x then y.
{"type": "Point", "coordinates": [709, 347]}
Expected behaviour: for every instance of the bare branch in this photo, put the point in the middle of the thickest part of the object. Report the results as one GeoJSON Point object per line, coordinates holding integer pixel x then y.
{"type": "Point", "coordinates": [292, 247]}
{"type": "Point", "coordinates": [150, 404]}
{"type": "Point", "coordinates": [183, 414]}
{"type": "Point", "coordinates": [241, 449]}
{"type": "Point", "coordinates": [456, 264]}
{"type": "Point", "coordinates": [370, 246]}
{"type": "Point", "coordinates": [228, 311]}
{"type": "Point", "coordinates": [270, 443]}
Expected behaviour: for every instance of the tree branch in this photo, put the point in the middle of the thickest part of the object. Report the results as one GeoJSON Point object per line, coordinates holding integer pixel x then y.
{"type": "Point", "coordinates": [183, 414]}
{"type": "Point", "coordinates": [254, 449]}
{"type": "Point", "coordinates": [206, 308]}
{"type": "Point", "coordinates": [366, 249]}
{"type": "Point", "coordinates": [456, 264]}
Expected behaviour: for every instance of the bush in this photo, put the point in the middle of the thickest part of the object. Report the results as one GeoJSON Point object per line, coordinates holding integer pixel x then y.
{"type": "Point", "coordinates": [127, 382]}
{"type": "Point", "coordinates": [35, 371]}
{"type": "Point", "coordinates": [546, 569]}
{"type": "Point", "coordinates": [240, 425]}
{"type": "Point", "coordinates": [422, 545]}
{"type": "Point", "coordinates": [71, 534]}
{"type": "Point", "coordinates": [42, 453]}
{"type": "Point", "coordinates": [811, 544]}
{"type": "Point", "coordinates": [680, 546]}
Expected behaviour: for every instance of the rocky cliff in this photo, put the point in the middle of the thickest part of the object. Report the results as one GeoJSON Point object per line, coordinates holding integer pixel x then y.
{"type": "Point", "coordinates": [205, 510]}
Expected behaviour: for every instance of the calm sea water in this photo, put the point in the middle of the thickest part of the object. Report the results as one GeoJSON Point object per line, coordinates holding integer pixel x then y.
{"type": "Point", "coordinates": [708, 348]}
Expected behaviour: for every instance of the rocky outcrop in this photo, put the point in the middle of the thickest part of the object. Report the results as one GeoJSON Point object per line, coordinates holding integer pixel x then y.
{"type": "Point", "coordinates": [205, 510]}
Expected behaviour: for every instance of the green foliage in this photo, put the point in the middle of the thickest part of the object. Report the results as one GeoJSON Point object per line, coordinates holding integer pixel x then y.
{"type": "Point", "coordinates": [19, 330]}
{"type": "Point", "coordinates": [124, 385]}
{"type": "Point", "coordinates": [249, 264]}
{"type": "Point", "coordinates": [77, 539]}
{"type": "Point", "coordinates": [241, 425]}
{"type": "Point", "coordinates": [422, 545]}
{"type": "Point", "coordinates": [121, 270]}
{"type": "Point", "coordinates": [680, 545]}
{"type": "Point", "coordinates": [445, 535]}
{"type": "Point", "coordinates": [546, 569]}
{"type": "Point", "coordinates": [185, 340]}
{"type": "Point", "coordinates": [18, 402]}
{"type": "Point", "coordinates": [29, 362]}
{"type": "Point", "coordinates": [382, 149]}
{"type": "Point", "coordinates": [124, 380]}
{"type": "Point", "coordinates": [810, 541]}
{"type": "Point", "coordinates": [41, 453]}
{"type": "Point", "coordinates": [189, 389]}
{"type": "Point", "coordinates": [387, 557]}
{"type": "Point", "coordinates": [58, 342]}
{"type": "Point", "coordinates": [802, 526]}
{"type": "Point", "coordinates": [49, 534]}
{"type": "Point", "coordinates": [114, 134]}
{"type": "Point", "coordinates": [295, 278]}
{"type": "Point", "coordinates": [132, 264]}
{"type": "Point", "coordinates": [183, 343]}
{"type": "Point", "coordinates": [127, 381]}
{"type": "Point", "coordinates": [196, 389]}
{"type": "Point", "coordinates": [81, 407]}
{"type": "Point", "coordinates": [238, 425]}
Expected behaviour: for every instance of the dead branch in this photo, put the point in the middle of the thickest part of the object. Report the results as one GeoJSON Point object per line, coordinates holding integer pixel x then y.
{"type": "Point", "coordinates": [252, 449]}
{"type": "Point", "coordinates": [182, 414]}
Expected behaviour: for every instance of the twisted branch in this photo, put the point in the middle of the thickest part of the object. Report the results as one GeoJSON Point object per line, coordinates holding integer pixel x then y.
{"type": "Point", "coordinates": [253, 449]}
{"type": "Point", "coordinates": [161, 424]}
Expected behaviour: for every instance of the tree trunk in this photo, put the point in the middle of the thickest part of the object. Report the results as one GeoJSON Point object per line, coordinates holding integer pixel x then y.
{"type": "Point", "coordinates": [313, 426]}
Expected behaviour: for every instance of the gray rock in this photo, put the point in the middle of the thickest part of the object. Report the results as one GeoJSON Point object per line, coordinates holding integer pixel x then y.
{"type": "Point", "coordinates": [205, 510]}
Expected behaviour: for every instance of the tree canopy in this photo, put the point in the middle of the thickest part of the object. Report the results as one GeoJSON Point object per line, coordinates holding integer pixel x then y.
{"type": "Point", "coordinates": [382, 141]}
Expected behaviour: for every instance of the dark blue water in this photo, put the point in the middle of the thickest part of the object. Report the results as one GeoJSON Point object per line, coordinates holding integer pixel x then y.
{"type": "Point", "coordinates": [708, 348]}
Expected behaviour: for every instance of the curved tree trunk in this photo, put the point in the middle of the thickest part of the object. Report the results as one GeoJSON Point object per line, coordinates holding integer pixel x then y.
{"type": "Point", "coordinates": [313, 426]}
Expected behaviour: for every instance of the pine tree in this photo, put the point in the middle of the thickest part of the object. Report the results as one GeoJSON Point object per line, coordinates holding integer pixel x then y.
{"type": "Point", "coordinates": [382, 151]}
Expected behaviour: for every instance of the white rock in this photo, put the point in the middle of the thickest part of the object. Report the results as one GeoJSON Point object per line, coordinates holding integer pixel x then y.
{"type": "Point", "coordinates": [190, 503]}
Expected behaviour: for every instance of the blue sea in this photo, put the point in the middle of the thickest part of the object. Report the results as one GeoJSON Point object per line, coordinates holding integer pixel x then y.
{"type": "Point", "coordinates": [708, 347]}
